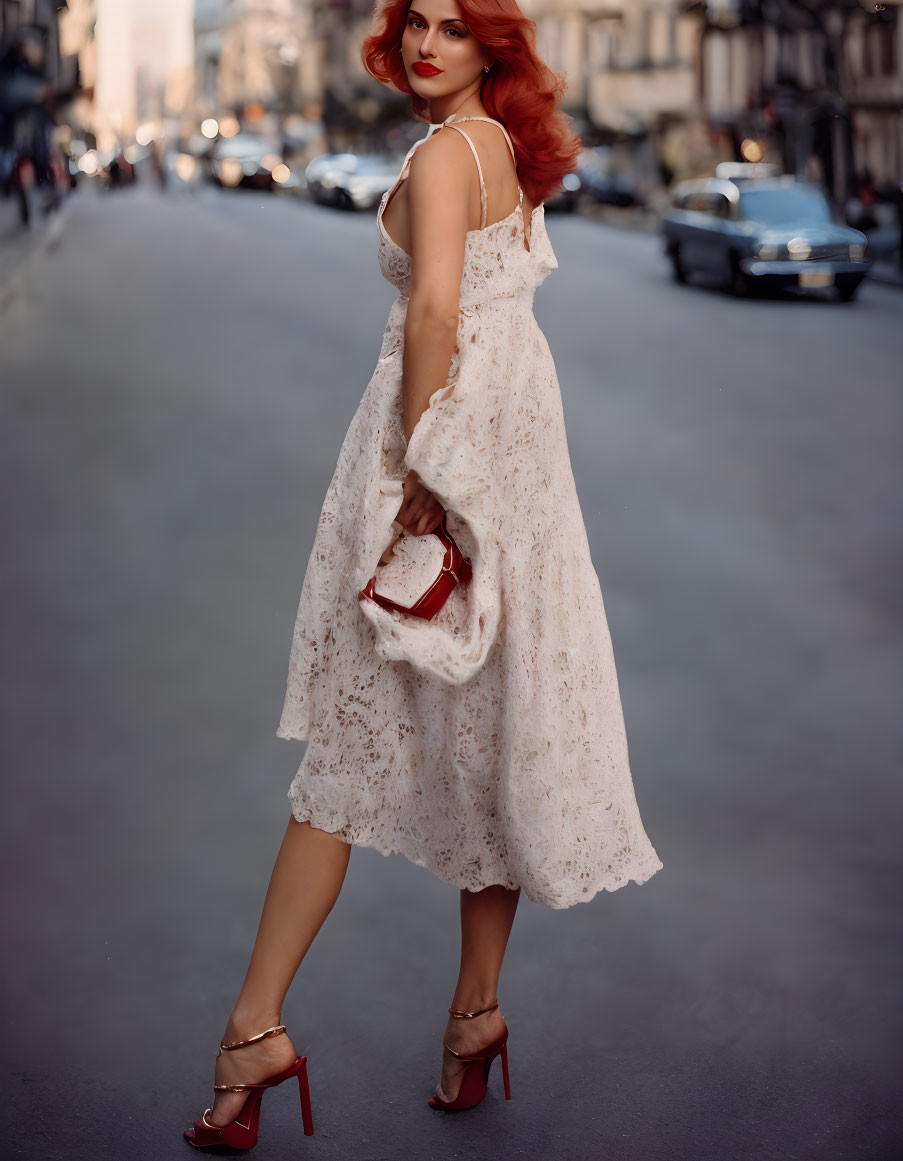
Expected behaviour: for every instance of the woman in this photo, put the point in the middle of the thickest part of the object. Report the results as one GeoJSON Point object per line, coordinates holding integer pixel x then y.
{"type": "Point", "coordinates": [486, 744]}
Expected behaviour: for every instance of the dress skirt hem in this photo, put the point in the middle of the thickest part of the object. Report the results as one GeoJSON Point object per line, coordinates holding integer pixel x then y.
{"type": "Point", "coordinates": [370, 834]}
{"type": "Point", "coordinates": [358, 837]}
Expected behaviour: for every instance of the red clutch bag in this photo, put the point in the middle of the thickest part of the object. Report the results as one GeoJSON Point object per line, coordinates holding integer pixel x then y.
{"type": "Point", "coordinates": [421, 576]}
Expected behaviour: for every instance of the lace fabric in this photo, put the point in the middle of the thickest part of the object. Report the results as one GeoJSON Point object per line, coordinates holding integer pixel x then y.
{"type": "Point", "coordinates": [487, 745]}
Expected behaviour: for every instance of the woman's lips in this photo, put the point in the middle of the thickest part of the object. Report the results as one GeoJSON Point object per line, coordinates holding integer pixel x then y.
{"type": "Point", "coordinates": [425, 70]}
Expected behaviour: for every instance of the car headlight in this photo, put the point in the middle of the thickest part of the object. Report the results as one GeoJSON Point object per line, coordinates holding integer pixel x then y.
{"type": "Point", "coordinates": [769, 253]}
{"type": "Point", "coordinates": [857, 251]}
{"type": "Point", "coordinates": [798, 248]}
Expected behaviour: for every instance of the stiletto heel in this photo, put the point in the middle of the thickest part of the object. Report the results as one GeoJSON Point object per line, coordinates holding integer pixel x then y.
{"type": "Point", "coordinates": [475, 1080]}
{"type": "Point", "coordinates": [306, 1116]}
{"type": "Point", "coordinates": [242, 1132]}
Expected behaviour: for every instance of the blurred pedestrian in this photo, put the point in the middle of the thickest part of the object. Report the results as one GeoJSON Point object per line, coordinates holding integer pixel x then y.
{"type": "Point", "coordinates": [158, 164]}
{"type": "Point", "coordinates": [26, 126]}
{"type": "Point", "coordinates": [864, 202]}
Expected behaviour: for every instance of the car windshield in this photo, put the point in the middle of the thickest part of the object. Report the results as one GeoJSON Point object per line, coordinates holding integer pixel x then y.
{"type": "Point", "coordinates": [790, 206]}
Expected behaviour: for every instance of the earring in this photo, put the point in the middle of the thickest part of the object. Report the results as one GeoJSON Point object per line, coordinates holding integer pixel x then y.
{"type": "Point", "coordinates": [485, 68]}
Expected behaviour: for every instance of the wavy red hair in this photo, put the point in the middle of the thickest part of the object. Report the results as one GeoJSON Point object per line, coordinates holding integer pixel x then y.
{"type": "Point", "coordinates": [520, 89]}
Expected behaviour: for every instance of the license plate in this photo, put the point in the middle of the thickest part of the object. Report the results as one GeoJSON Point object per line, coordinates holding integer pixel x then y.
{"type": "Point", "coordinates": [816, 278]}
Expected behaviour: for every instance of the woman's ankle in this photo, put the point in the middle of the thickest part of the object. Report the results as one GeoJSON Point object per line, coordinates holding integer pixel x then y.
{"type": "Point", "coordinates": [246, 1020]}
{"type": "Point", "coordinates": [473, 1001]}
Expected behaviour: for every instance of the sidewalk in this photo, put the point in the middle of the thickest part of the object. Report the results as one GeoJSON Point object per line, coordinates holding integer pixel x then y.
{"type": "Point", "coordinates": [888, 273]}
{"type": "Point", "coordinates": [884, 244]}
{"type": "Point", "coordinates": [18, 244]}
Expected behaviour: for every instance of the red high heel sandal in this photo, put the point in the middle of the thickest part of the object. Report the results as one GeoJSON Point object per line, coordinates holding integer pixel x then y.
{"type": "Point", "coordinates": [474, 1082]}
{"type": "Point", "coordinates": [242, 1132]}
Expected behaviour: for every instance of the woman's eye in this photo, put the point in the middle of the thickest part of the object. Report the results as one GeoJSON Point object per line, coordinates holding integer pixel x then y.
{"type": "Point", "coordinates": [412, 20]}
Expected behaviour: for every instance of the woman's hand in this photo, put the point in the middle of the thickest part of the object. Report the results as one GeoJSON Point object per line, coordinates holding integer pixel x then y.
{"type": "Point", "coordinates": [420, 511]}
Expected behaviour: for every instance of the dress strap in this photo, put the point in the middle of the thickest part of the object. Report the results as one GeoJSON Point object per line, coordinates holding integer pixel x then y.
{"type": "Point", "coordinates": [479, 171]}
{"type": "Point", "coordinates": [492, 121]}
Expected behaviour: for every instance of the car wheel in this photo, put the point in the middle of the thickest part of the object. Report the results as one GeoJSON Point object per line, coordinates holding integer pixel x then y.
{"type": "Point", "coordinates": [678, 270]}
{"type": "Point", "coordinates": [738, 283]}
{"type": "Point", "coordinates": [846, 292]}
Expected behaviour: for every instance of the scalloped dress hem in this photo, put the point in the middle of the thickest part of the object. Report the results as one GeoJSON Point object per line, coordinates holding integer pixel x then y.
{"type": "Point", "coordinates": [362, 835]}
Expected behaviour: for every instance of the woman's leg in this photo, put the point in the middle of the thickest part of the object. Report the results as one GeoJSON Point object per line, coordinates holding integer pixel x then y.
{"type": "Point", "coordinates": [305, 883]}
{"type": "Point", "coordinates": [486, 920]}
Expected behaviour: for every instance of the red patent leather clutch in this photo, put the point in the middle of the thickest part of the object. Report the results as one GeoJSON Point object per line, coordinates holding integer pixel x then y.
{"type": "Point", "coordinates": [435, 589]}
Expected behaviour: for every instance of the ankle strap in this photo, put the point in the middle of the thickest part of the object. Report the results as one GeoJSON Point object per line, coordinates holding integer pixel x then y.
{"type": "Point", "coordinates": [470, 1015]}
{"type": "Point", "coordinates": [254, 1039]}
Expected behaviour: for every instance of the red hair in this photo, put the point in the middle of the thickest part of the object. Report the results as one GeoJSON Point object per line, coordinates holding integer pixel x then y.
{"type": "Point", "coordinates": [520, 89]}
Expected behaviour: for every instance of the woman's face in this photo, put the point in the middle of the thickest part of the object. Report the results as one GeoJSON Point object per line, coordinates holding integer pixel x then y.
{"type": "Point", "coordinates": [440, 55]}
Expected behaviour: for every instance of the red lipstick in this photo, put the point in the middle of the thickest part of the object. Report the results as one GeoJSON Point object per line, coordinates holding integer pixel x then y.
{"type": "Point", "coordinates": [422, 69]}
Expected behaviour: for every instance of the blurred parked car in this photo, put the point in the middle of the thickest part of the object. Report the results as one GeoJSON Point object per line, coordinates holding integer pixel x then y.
{"type": "Point", "coordinates": [246, 161]}
{"type": "Point", "coordinates": [596, 170]}
{"type": "Point", "coordinates": [322, 173]}
{"type": "Point", "coordinates": [751, 231]}
{"type": "Point", "coordinates": [594, 179]}
{"type": "Point", "coordinates": [351, 181]}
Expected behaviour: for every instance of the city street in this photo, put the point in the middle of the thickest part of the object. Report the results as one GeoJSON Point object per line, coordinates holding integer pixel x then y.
{"type": "Point", "coordinates": [177, 377]}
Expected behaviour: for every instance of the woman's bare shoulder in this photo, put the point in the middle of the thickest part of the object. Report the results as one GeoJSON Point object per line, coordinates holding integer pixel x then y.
{"type": "Point", "coordinates": [438, 158]}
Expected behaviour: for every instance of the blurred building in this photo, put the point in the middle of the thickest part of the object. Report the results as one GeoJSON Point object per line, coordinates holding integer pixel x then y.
{"type": "Point", "coordinates": [38, 21]}
{"type": "Point", "coordinates": [631, 68]}
{"type": "Point", "coordinates": [873, 85]}
{"type": "Point", "coordinates": [818, 86]}
{"type": "Point", "coordinates": [256, 53]}
{"type": "Point", "coordinates": [354, 105]}
{"type": "Point", "coordinates": [627, 62]}
{"type": "Point", "coordinates": [145, 65]}
{"type": "Point", "coordinates": [79, 46]}
{"type": "Point", "coordinates": [209, 24]}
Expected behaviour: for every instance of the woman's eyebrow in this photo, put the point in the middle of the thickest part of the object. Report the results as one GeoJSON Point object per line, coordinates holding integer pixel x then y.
{"type": "Point", "coordinates": [449, 20]}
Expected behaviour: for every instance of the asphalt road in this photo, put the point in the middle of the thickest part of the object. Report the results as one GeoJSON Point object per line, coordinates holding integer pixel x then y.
{"type": "Point", "coordinates": [177, 377]}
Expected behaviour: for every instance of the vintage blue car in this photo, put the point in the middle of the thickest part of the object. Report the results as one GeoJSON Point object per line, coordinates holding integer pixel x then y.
{"type": "Point", "coordinates": [762, 232]}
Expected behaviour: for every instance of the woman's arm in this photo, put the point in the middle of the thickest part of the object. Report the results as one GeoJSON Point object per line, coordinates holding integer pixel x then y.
{"type": "Point", "coordinates": [438, 201]}
{"type": "Point", "coordinates": [439, 191]}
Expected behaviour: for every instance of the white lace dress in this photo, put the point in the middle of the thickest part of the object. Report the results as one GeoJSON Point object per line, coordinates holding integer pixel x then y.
{"type": "Point", "coordinates": [487, 745]}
